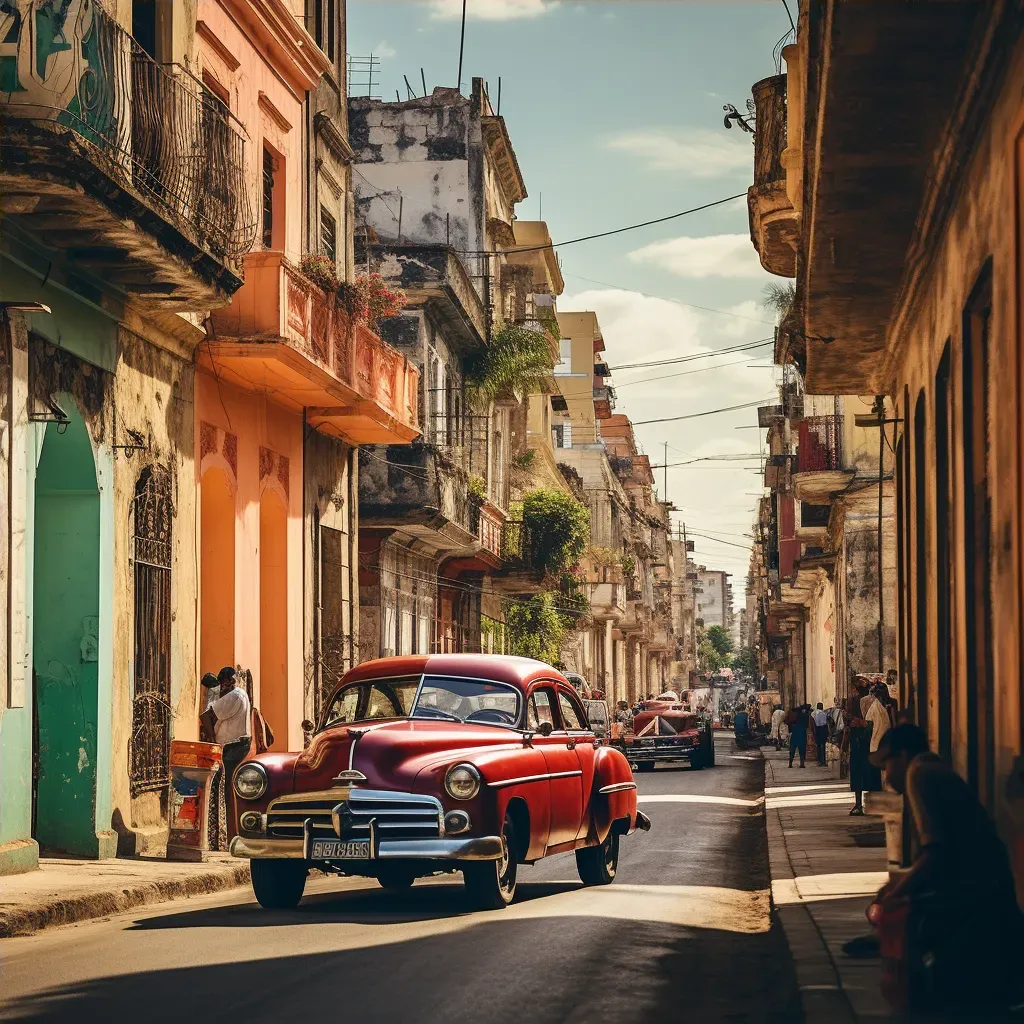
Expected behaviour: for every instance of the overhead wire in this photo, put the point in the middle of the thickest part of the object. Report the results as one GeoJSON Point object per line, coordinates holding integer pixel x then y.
{"type": "Point", "coordinates": [682, 373]}
{"type": "Point", "coordinates": [694, 356]}
{"type": "Point", "coordinates": [706, 412]}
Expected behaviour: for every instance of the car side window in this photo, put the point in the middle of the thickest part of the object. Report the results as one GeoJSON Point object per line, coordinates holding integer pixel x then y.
{"type": "Point", "coordinates": [572, 715]}
{"type": "Point", "coordinates": [539, 709]}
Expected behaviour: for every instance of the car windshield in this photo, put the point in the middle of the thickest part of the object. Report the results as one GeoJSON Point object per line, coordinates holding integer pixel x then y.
{"type": "Point", "coordinates": [372, 700]}
{"type": "Point", "coordinates": [478, 701]}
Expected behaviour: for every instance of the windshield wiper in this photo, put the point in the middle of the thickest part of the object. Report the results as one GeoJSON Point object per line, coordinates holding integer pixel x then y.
{"type": "Point", "coordinates": [436, 712]}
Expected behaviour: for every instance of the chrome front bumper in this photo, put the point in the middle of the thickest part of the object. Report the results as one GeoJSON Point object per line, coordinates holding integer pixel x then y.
{"type": "Point", "coordinates": [480, 848]}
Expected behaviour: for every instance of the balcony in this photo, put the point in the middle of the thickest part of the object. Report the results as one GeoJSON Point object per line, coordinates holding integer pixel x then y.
{"type": "Point", "coordinates": [604, 401]}
{"type": "Point", "coordinates": [774, 224]}
{"type": "Point", "coordinates": [283, 337]}
{"type": "Point", "coordinates": [608, 601]}
{"type": "Point", "coordinates": [819, 469]}
{"type": "Point", "coordinates": [130, 168]}
{"type": "Point", "coordinates": [434, 277]}
{"type": "Point", "coordinates": [814, 520]}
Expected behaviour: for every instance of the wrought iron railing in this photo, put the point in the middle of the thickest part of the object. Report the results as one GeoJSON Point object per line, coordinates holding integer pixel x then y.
{"type": "Point", "coordinates": [174, 141]}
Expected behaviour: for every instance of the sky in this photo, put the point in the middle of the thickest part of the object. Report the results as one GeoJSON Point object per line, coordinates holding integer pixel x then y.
{"type": "Point", "coordinates": [615, 113]}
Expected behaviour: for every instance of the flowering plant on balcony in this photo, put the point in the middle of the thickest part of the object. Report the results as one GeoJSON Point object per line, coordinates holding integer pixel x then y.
{"type": "Point", "coordinates": [321, 271]}
{"type": "Point", "coordinates": [370, 300]}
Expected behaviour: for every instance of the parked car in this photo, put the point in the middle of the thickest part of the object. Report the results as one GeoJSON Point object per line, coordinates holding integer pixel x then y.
{"type": "Point", "coordinates": [598, 717]}
{"type": "Point", "coordinates": [664, 731]}
{"type": "Point", "coordinates": [427, 764]}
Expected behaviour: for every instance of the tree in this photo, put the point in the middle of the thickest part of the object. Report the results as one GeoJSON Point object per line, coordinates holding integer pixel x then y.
{"type": "Point", "coordinates": [721, 641]}
{"type": "Point", "coordinates": [709, 659]}
{"type": "Point", "coordinates": [745, 662]}
{"type": "Point", "coordinates": [558, 527]}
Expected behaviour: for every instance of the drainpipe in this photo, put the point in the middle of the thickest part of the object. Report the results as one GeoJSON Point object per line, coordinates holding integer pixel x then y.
{"type": "Point", "coordinates": [879, 411]}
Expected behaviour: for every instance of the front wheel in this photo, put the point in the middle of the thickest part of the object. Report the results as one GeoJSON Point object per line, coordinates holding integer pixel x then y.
{"type": "Point", "coordinates": [278, 884]}
{"type": "Point", "coordinates": [491, 884]}
{"type": "Point", "coordinates": [597, 864]}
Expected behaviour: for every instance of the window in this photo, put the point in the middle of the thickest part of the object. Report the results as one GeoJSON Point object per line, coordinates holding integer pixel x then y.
{"type": "Point", "coordinates": [325, 26]}
{"type": "Point", "coordinates": [335, 607]}
{"type": "Point", "coordinates": [540, 709]}
{"type": "Point", "coordinates": [564, 364]}
{"type": "Point", "coordinates": [572, 718]}
{"type": "Point", "coordinates": [268, 198]}
{"type": "Point", "coordinates": [328, 235]}
{"type": "Point", "coordinates": [561, 435]}
{"type": "Point", "coordinates": [363, 701]}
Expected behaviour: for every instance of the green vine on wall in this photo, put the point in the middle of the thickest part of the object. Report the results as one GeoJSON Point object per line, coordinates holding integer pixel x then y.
{"type": "Point", "coordinates": [535, 628]}
{"type": "Point", "coordinates": [558, 526]}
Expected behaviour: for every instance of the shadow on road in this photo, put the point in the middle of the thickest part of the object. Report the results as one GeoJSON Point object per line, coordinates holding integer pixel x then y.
{"type": "Point", "coordinates": [499, 969]}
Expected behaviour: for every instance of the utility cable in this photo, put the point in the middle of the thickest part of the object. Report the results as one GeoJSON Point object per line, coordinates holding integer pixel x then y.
{"type": "Point", "coordinates": [693, 356]}
{"type": "Point", "coordinates": [706, 412]}
{"type": "Point", "coordinates": [682, 373]}
{"type": "Point", "coordinates": [602, 234]}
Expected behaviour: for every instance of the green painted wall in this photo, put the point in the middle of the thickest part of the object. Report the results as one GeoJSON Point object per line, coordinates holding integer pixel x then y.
{"type": "Point", "coordinates": [66, 639]}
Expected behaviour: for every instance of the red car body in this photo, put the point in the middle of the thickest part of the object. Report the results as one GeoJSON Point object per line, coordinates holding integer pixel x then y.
{"type": "Point", "coordinates": [666, 731]}
{"type": "Point", "coordinates": [540, 791]}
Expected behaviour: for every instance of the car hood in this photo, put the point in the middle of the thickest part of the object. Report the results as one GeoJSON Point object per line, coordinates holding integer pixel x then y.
{"type": "Point", "coordinates": [391, 754]}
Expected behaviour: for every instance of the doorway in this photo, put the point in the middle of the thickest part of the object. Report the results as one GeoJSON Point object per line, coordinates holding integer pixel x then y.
{"type": "Point", "coordinates": [216, 572]}
{"type": "Point", "coordinates": [273, 678]}
{"type": "Point", "coordinates": [65, 639]}
{"type": "Point", "coordinates": [977, 518]}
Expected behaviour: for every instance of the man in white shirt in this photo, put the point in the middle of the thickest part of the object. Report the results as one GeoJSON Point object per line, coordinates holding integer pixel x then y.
{"type": "Point", "coordinates": [230, 718]}
{"type": "Point", "coordinates": [820, 719]}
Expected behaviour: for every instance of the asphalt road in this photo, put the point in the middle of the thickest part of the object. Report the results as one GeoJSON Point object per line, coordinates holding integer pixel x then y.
{"type": "Point", "coordinates": [683, 934]}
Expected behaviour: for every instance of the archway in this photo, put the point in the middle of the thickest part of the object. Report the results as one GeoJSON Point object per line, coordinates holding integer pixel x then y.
{"type": "Point", "coordinates": [65, 639]}
{"type": "Point", "coordinates": [273, 675]}
{"type": "Point", "coordinates": [217, 572]}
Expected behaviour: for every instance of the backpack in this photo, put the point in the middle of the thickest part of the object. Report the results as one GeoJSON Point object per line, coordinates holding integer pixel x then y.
{"type": "Point", "coordinates": [262, 734]}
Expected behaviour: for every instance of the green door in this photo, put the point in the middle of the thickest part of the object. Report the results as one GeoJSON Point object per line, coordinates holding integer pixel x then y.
{"type": "Point", "coordinates": [65, 624]}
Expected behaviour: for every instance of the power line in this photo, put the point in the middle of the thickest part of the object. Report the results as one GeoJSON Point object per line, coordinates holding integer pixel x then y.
{"type": "Point", "coordinates": [602, 234]}
{"type": "Point", "coordinates": [706, 412]}
{"type": "Point", "coordinates": [682, 373]}
{"type": "Point", "coordinates": [665, 298]}
{"type": "Point", "coordinates": [710, 458]}
{"type": "Point", "coordinates": [693, 356]}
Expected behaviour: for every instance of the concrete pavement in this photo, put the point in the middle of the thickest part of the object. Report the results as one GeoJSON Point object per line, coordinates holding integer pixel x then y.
{"type": "Point", "coordinates": [825, 867]}
{"type": "Point", "coordinates": [684, 932]}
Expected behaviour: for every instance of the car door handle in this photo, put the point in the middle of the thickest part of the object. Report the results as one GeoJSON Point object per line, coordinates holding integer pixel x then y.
{"type": "Point", "coordinates": [571, 744]}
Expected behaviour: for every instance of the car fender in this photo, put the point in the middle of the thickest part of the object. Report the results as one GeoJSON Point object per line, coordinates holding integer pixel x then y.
{"type": "Point", "coordinates": [611, 769]}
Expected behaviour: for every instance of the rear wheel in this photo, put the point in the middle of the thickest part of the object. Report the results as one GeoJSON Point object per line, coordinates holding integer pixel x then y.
{"type": "Point", "coordinates": [278, 884]}
{"type": "Point", "coordinates": [597, 864]}
{"type": "Point", "coordinates": [395, 879]}
{"type": "Point", "coordinates": [491, 884]}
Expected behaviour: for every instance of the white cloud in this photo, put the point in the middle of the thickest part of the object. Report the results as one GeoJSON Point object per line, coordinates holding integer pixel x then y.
{"type": "Point", "coordinates": [696, 152]}
{"type": "Point", "coordinates": [712, 495]}
{"type": "Point", "coordinates": [710, 256]}
{"type": "Point", "coordinates": [384, 49]}
{"type": "Point", "coordinates": [492, 10]}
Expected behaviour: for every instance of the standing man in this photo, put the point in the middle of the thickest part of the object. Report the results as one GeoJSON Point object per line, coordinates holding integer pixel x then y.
{"type": "Point", "coordinates": [820, 719]}
{"type": "Point", "coordinates": [230, 717]}
{"type": "Point", "coordinates": [778, 720]}
{"type": "Point", "coordinates": [798, 720]}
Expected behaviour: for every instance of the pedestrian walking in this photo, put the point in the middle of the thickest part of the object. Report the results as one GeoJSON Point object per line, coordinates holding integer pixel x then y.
{"type": "Point", "coordinates": [797, 720]}
{"type": "Point", "coordinates": [857, 737]}
{"type": "Point", "coordinates": [820, 719]}
{"type": "Point", "coordinates": [778, 724]}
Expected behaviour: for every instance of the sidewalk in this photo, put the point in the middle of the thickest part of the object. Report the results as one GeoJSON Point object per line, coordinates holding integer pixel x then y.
{"type": "Point", "coordinates": [825, 866]}
{"type": "Point", "coordinates": [64, 891]}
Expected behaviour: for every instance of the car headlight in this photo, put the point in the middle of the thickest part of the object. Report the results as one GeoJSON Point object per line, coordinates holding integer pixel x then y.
{"type": "Point", "coordinates": [251, 781]}
{"type": "Point", "coordinates": [462, 782]}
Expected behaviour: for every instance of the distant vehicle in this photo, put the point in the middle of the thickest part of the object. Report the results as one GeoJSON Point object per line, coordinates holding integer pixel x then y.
{"type": "Point", "coordinates": [427, 764]}
{"type": "Point", "coordinates": [599, 717]}
{"type": "Point", "coordinates": [665, 732]}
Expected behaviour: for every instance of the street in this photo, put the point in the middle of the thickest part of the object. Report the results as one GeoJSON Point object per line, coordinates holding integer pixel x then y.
{"type": "Point", "coordinates": [685, 929]}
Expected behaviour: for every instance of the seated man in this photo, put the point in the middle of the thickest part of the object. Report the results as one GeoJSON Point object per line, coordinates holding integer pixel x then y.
{"type": "Point", "coordinates": [966, 923]}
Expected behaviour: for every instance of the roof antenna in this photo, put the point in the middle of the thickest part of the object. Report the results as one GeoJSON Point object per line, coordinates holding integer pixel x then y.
{"type": "Point", "coordinates": [462, 43]}
{"type": "Point", "coordinates": [498, 112]}
{"type": "Point", "coordinates": [423, 79]}
{"type": "Point", "coordinates": [409, 94]}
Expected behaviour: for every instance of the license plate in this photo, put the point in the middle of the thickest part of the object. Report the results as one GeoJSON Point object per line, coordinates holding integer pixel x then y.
{"type": "Point", "coordinates": [340, 849]}
{"type": "Point", "coordinates": [647, 742]}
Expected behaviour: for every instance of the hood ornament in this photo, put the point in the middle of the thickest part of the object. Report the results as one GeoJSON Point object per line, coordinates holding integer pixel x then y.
{"type": "Point", "coordinates": [351, 774]}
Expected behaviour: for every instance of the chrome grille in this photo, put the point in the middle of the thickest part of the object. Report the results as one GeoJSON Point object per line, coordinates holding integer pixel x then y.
{"type": "Point", "coordinates": [399, 815]}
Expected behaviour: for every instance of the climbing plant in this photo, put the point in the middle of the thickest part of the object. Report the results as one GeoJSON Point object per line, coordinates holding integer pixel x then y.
{"type": "Point", "coordinates": [535, 628]}
{"type": "Point", "coordinates": [518, 359]}
{"type": "Point", "coordinates": [558, 526]}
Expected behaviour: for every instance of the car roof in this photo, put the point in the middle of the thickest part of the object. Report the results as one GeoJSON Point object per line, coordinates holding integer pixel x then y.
{"type": "Point", "coordinates": [501, 668]}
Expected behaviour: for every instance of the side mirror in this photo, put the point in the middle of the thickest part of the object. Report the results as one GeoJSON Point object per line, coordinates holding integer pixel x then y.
{"type": "Point", "coordinates": [544, 728]}
{"type": "Point", "coordinates": [307, 732]}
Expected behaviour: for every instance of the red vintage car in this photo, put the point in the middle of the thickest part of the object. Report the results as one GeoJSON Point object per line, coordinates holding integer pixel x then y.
{"type": "Point", "coordinates": [668, 731]}
{"type": "Point", "coordinates": [427, 764]}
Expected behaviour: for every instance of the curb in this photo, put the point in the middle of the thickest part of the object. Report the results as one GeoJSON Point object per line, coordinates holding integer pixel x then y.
{"type": "Point", "coordinates": [822, 995]}
{"type": "Point", "coordinates": [88, 906]}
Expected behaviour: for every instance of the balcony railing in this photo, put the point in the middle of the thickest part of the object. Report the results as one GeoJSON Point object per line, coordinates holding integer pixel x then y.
{"type": "Point", "coordinates": [770, 138]}
{"type": "Point", "coordinates": [158, 133]}
{"type": "Point", "coordinates": [820, 444]}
